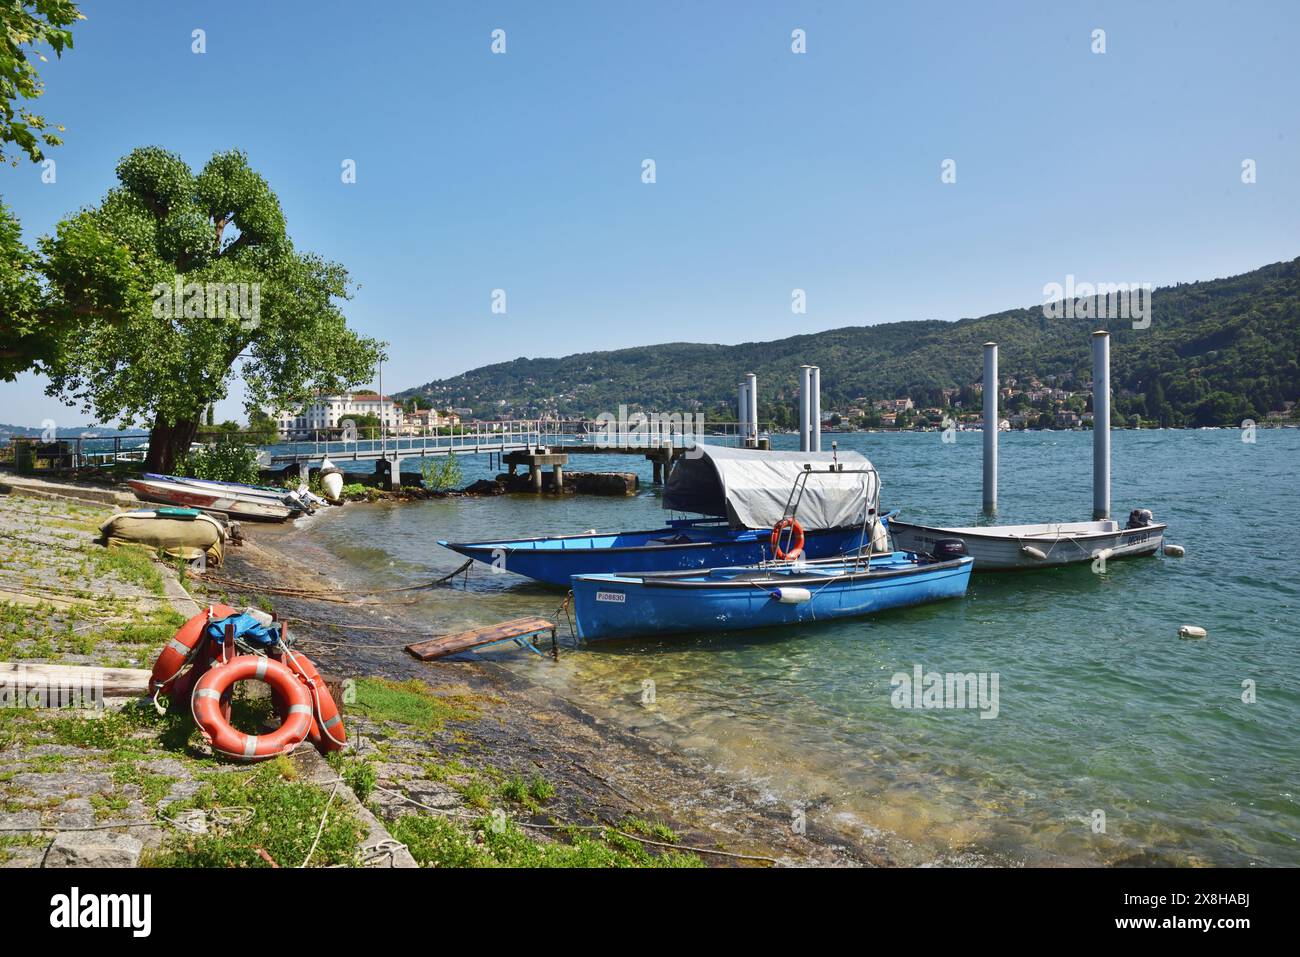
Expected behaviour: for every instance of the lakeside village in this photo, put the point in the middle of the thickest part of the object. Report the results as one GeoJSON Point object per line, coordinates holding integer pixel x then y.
{"type": "Point", "coordinates": [1033, 405]}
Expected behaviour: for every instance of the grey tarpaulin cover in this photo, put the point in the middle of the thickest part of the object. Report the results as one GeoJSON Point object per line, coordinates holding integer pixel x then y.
{"type": "Point", "coordinates": [750, 487]}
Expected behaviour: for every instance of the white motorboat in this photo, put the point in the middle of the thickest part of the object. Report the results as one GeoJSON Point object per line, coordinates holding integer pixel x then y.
{"type": "Point", "coordinates": [1002, 547]}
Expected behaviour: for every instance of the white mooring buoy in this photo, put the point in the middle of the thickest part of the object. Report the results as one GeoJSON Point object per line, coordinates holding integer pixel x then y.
{"type": "Point", "coordinates": [1191, 631]}
{"type": "Point", "coordinates": [1175, 551]}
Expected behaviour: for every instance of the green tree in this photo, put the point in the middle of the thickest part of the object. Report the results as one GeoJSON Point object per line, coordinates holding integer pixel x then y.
{"type": "Point", "coordinates": [174, 276]}
{"type": "Point", "coordinates": [23, 25]}
{"type": "Point", "coordinates": [25, 337]}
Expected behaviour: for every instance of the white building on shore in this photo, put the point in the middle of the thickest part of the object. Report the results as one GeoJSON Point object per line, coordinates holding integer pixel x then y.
{"type": "Point", "coordinates": [328, 413]}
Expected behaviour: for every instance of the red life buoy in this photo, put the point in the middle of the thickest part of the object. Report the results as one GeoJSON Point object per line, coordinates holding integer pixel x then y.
{"type": "Point", "coordinates": [224, 737]}
{"type": "Point", "coordinates": [796, 543]}
{"type": "Point", "coordinates": [183, 648]}
{"type": "Point", "coordinates": [326, 731]}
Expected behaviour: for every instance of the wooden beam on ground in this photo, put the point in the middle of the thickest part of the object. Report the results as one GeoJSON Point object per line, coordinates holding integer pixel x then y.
{"type": "Point", "coordinates": [110, 682]}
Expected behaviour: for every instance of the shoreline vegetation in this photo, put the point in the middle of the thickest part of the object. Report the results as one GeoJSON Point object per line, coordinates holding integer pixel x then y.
{"type": "Point", "coordinates": [463, 763]}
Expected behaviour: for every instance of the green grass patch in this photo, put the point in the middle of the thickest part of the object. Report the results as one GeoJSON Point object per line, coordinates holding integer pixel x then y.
{"type": "Point", "coordinates": [153, 787]}
{"type": "Point", "coordinates": [130, 564]}
{"type": "Point", "coordinates": [438, 842]}
{"type": "Point", "coordinates": [357, 773]}
{"type": "Point", "coordinates": [659, 832]}
{"type": "Point", "coordinates": [531, 793]}
{"type": "Point", "coordinates": [285, 817]}
{"type": "Point", "coordinates": [411, 703]}
{"type": "Point", "coordinates": [155, 629]}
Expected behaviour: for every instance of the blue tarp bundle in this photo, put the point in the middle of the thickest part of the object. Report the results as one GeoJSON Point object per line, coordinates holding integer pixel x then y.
{"type": "Point", "coordinates": [247, 630]}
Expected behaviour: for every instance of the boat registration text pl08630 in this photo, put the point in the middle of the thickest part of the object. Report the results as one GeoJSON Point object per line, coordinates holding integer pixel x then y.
{"type": "Point", "coordinates": [610, 596]}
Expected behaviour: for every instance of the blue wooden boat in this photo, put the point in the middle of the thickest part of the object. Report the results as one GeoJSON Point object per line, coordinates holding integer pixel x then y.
{"type": "Point", "coordinates": [681, 546]}
{"type": "Point", "coordinates": [742, 493]}
{"type": "Point", "coordinates": [760, 596]}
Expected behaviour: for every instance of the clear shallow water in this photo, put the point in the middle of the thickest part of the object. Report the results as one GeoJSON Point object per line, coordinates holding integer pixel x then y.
{"type": "Point", "coordinates": [1101, 706]}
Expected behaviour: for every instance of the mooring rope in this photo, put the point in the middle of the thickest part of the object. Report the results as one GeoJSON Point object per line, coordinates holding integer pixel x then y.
{"type": "Point", "coordinates": [312, 594]}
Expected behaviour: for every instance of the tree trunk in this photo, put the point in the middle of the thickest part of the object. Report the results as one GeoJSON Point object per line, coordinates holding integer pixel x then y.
{"type": "Point", "coordinates": [168, 443]}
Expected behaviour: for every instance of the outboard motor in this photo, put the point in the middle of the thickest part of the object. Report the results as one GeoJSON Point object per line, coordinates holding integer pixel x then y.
{"type": "Point", "coordinates": [1140, 518]}
{"type": "Point", "coordinates": [946, 549]}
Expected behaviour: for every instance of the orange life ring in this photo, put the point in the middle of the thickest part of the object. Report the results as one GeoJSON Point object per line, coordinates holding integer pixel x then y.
{"type": "Point", "coordinates": [796, 543]}
{"type": "Point", "coordinates": [326, 731]}
{"type": "Point", "coordinates": [183, 648]}
{"type": "Point", "coordinates": [224, 737]}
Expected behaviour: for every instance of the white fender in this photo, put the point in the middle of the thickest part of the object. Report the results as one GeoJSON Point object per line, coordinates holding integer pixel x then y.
{"type": "Point", "coordinates": [1033, 552]}
{"type": "Point", "coordinates": [791, 596]}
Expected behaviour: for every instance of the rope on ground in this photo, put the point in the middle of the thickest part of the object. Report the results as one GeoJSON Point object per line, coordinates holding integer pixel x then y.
{"type": "Point", "coordinates": [313, 594]}
{"type": "Point", "coordinates": [387, 848]}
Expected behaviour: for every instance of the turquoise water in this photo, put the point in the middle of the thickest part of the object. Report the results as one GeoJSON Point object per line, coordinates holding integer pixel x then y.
{"type": "Point", "coordinates": [1101, 707]}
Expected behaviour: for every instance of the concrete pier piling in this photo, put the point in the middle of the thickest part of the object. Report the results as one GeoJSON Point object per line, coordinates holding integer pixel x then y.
{"type": "Point", "coordinates": [742, 411]}
{"type": "Point", "coordinates": [990, 426]}
{"type": "Point", "coordinates": [815, 422]}
{"type": "Point", "coordinates": [751, 413]}
{"type": "Point", "coordinates": [1100, 424]}
{"type": "Point", "coordinates": [805, 407]}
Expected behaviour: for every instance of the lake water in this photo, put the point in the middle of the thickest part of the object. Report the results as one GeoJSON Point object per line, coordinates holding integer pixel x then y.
{"type": "Point", "coordinates": [1102, 709]}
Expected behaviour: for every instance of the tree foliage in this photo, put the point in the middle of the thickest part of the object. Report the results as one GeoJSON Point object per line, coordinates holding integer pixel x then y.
{"type": "Point", "coordinates": [24, 24]}
{"type": "Point", "coordinates": [25, 338]}
{"type": "Point", "coordinates": [146, 340]}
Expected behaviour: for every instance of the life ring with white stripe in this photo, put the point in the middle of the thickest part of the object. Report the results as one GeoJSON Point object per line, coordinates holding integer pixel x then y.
{"type": "Point", "coordinates": [326, 731]}
{"type": "Point", "coordinates": [184, 647]}
{"type": "Point", "coordinates": [224, 737]}
{"type": "Point", "coordinates": [796, 543]}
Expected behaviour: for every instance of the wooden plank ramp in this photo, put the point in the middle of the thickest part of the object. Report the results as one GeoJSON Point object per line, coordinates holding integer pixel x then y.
{"type": "Point", "coordinates": [517, 630]}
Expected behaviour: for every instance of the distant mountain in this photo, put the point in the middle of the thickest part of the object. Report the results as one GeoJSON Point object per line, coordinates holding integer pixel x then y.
{"type": "Point", "coordinates": [72, 433]}
{"type": "Point", "coordinates": [1215, 352]}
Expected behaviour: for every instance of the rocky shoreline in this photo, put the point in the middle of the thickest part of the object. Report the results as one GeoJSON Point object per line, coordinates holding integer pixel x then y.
{"type": "Point", "coordinates": [602, 774]}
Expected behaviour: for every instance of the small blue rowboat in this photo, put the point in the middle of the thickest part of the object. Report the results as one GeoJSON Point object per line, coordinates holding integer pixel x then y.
{"type": "Point", "coordinates": [725, 599]}
{"type": "Point", "coordinates": [682, 546]}
{"type": "Point", "coordinates": [743, 491]}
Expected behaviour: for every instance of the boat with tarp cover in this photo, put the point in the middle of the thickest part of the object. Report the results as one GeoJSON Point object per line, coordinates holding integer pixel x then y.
{"type": "Point", "coordinates": [740, 494]}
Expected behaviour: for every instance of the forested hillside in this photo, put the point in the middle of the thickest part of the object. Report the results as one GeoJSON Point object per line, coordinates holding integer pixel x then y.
{"type": "Point", "coordinates": [1215, 352]}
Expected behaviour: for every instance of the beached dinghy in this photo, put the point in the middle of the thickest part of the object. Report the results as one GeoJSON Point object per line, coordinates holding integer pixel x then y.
{"type": "Point", "coordinates": [184, 533]}
{"type": "Point", "coordinates": [223, 498]}
{"type": "Point", "coordinates": [758, 596]}
{"type": "Point", "coordinates": [1003, 547]}
{"type": "Point", "coordinates": [744, 491]}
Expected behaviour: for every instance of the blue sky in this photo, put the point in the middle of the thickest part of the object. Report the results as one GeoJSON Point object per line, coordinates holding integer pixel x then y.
{"type": "Point", "coordinates": [775, 171]}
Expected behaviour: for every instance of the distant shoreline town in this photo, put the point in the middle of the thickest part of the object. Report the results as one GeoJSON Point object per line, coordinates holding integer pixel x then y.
{"type": "Point", "coordinates": [364, 413]}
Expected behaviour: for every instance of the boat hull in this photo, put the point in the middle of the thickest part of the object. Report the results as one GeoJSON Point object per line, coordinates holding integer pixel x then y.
{"type": "Point", "coordinates": [1001, 548]}
{"type": "Point", "coordinates": [556, 560]}
{"type": "Point", "coordinates": [268, 493]}
{"type": "Point", "coordinates": [174, 493]}
{"type": "Point", "coordinates": [620, 606]}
